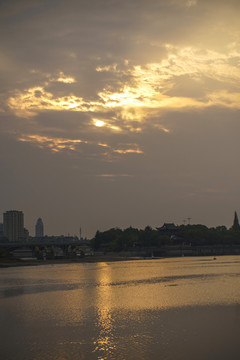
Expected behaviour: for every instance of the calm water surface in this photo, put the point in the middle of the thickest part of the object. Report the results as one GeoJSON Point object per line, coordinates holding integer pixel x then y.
{"type": "Point", "coordinates": [168, 309]}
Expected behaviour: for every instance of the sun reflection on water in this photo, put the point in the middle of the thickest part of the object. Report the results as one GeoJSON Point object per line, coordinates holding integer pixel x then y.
{"type": "Point", "coordinates": [104, 344]}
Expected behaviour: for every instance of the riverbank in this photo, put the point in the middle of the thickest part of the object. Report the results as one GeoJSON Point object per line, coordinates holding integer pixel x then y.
{"type": "Point", "coordinates": [14, 262]}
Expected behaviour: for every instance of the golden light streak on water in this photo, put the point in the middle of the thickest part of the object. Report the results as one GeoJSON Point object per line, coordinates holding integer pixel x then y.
{"type": "Point", "coordinates": [105, 342]}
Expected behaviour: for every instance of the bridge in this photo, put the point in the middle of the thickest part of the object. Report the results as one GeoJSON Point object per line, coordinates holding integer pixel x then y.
{"type": "Point", "coordinates": [38, 247]}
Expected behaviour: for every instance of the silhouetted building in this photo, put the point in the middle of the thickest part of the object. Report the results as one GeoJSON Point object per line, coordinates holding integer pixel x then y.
{"type": "Point", "coordinates": [168, 229]}
{"type": "Point", "coordinates": [13, 225]}
{"type": "Point", "coordinates": [236, 225]}
{"type": "Point", "coordinates": [1, 231]}
{"type": "Point", "coordinates": [26, 234]}
{"type": "Point", "coordinates": [39, 228]}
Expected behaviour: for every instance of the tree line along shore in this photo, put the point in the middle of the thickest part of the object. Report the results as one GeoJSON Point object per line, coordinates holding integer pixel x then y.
{"type": "Point", "coordinates": [131, 243]}
{"type": "Point", "coordinates": [117, 240]}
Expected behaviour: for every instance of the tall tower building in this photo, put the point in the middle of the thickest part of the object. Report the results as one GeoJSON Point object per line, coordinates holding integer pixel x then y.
{"type": "Point", "coordinates": [236, 225]}
{"type": "Point", "coordinates": [39, 228]}
{"type": "Point", "coordinates": [13, 225]}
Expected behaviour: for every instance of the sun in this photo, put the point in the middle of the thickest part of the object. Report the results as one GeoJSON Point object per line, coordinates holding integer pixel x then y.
{"type": "Point", "coordinates": [99, 123]}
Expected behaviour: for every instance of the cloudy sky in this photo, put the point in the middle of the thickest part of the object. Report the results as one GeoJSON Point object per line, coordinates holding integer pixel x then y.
{"type": "Point", "coordinates": [117, 113]}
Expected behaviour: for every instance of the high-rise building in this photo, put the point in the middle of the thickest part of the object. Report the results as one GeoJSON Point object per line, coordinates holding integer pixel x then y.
{"type": "Point", "coordinates": [39, 228]}
{"type": "Point", "coordinates": [13, 225]}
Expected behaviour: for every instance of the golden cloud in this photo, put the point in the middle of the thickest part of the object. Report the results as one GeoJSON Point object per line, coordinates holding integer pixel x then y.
{"type": "Point", "coordinates": [62, 144]}
{"type": "Point", "coordinates": [225, 99]}
{"type": "Point", "coordinates": [128, 151]}
{"type": "Point", "coordinates": [103, 145]}
{"type": "Point", "coordinates": [146, 90]}
{"type": "Point", "coordinates": [54, 144]}
{"type": "Point", "coordinates": [35, 99]}
{"type": "Point", "coordinates": [65, 79]}
{"type": "Point", "coordinates": [106, 123]}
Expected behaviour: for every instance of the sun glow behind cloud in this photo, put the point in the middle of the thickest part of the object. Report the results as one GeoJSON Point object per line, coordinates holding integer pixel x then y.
{"type": "Point", "coordinates": [152, 82]}
{"type": "Point", "coordinates": [106, 124]}
{"type": "Point", "coordinates": [148, 88]}
{"type": "Point", "coordinates": [99, 123]}
{"type": "Point", "coordinates": [147, 91]}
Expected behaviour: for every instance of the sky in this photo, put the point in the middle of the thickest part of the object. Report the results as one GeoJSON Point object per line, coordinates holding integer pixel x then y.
{"type": "Point", "coordinates": [119, 113]}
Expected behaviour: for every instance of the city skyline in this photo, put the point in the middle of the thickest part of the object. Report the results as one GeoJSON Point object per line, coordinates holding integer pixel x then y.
{"type": "Point", "coordinates": [15, 218]}
{"type": "Point", "coordinates": [120, 113]}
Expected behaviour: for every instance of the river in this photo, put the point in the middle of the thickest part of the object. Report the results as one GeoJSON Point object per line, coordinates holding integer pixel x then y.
{"type": "Point", "coordinates": [165, 309]}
